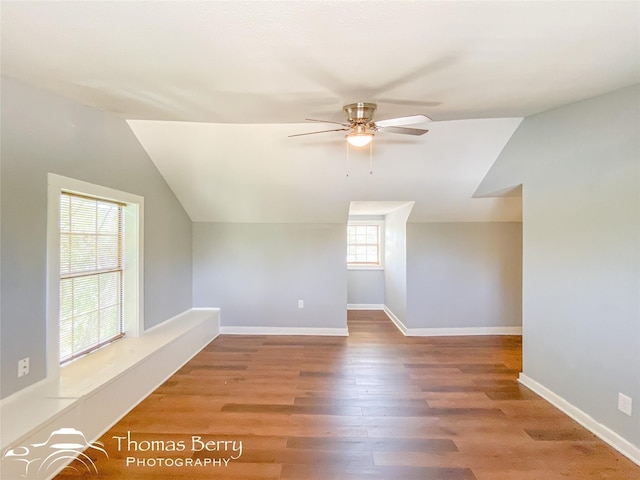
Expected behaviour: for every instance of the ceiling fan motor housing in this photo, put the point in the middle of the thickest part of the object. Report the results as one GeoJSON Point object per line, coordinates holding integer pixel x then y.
{"type": "Point", "coordinates": [360, 112]}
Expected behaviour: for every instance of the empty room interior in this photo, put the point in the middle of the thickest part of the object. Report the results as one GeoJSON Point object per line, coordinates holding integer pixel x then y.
{"type": "Point", "coordinates": [320, 240]}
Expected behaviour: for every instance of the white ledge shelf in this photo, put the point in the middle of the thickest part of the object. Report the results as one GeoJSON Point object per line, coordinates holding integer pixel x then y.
{"type": "Point", "coordinates": [114, 379]}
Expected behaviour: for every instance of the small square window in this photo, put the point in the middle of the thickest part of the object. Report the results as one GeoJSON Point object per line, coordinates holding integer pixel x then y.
{"type": "Point", "coordinates": [364, 245]}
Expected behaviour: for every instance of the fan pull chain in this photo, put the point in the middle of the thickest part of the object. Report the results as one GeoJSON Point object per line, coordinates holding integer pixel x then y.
{"type": "Point", "coordinates": [371, 158]}
{"type": "Point", "coordinates": [347, 166]}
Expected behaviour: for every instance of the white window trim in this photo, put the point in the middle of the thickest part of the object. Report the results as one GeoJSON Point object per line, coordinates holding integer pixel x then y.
{"type": "Point", "coordinates": [380, 224]}
{"type": "Point", "coordinates": [133, 260]}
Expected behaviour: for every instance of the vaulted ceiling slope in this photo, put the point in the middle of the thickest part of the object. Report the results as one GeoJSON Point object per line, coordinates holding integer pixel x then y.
{"type": "Point", "coordinates": [254, 173]}
{"type": "Point", "coordinates": [212, 90]}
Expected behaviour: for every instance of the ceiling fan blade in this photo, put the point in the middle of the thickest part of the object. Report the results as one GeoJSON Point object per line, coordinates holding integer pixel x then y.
{"type": "Point", "coordinates": [326, 121]}
{"type": "Point", "coordinates": [321, 131]}
{"type": "Point", "coordinates": [395, 122]}
{"type": "Point", "coordinates": [404, 130]}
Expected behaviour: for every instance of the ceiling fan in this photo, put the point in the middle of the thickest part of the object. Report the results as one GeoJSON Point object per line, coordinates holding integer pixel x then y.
{"type": "Point", "coordinates": [362, 128]}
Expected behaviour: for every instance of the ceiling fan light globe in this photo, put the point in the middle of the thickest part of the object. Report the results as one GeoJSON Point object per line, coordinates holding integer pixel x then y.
{"type": "Point", "coordinates": [359, 139]}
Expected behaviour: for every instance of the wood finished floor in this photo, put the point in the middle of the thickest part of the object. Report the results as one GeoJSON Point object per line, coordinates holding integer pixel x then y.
{"type": "Point", "coordinates": [375, 405]}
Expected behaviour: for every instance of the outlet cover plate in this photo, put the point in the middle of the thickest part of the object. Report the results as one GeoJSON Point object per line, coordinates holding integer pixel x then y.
{"type": "Point", "coordinates": [23, 367]}
{"type": "Point", "coordinates": [625, 404]}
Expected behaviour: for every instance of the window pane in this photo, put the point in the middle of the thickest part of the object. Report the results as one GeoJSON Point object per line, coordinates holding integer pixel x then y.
{"type": "Point", "coordinates": [87, 298]}
{"type": "Point", "coordinates": [108, 218]}
{"type": "Point", "coordinates": [109, 322]}
{"type": "Point", "coordinates": [83, 215]}
{"type": "Point", "coordinates": [85, 331]}
{"type": "Point", "coordinates": [82, 253]}
{"type": "Point", "coordinates": [109, 289]}
{"type": "Point", "coordinates": [66, 338]}
{"type": "Point", "coordinates": [66, 299]}
{"type": "Point", "coordinates": [65, 254]}
{"type": "Point", "coordinates": [65, 218]}
{"type": "Point", "coordinates": [108, 248]}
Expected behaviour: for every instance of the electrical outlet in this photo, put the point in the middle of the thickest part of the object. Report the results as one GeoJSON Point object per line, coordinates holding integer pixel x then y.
{"type": "Point", "coordinates": [23, 367]}
{"type": "Point", "coordinates": [625, 404]}
{"type": "Point", "coordinates": [300, 303]}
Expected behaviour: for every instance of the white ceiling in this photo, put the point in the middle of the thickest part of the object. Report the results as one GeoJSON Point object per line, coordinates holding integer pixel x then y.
{"type": "Point", "coordinates": [252, 69]}
{"type": "Point", "coordinates": [254, 173]}
{"type": "Point", "coordinates": [375, 209]}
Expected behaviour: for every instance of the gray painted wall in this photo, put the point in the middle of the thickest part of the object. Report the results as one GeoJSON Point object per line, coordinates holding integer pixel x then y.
{"type": "Point", "coordinates": [43, 133]}
{"type": "Point", "coordinates": [580, 169]}
{"type": "Point", "coordinates": [256, 273]}
{"type": "Point", "coordinates": [395, 261]}
{"type": "Point", "coordinates": [464, 275]}
{"type": "Point", "coordinates": [365, 287]}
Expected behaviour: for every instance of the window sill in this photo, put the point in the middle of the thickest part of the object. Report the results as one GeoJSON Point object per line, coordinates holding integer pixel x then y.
{"type": "Point", "coordinates": [364, 267]}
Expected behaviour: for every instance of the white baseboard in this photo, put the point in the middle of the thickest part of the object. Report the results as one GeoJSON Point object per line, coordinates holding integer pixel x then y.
{"type": "Point", "coordinates": [401, 326]}
{"type": "Point", "coordinates": [622, 445]}
{"type": "Point", "coordinates": [239, 330]}
{"type": "Point", "coordinates": [95, 392]}
{"type": "Point", "coordinates": [449, 332]}
{"type": "Point", "coordinates": [463, 331]}
{"type": "Point", "coordinates": [365, 306]}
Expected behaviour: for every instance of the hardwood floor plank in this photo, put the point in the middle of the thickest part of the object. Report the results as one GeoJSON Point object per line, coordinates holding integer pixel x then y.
{"type": "Point", "coordinates": [330, 472]}
{"type": "Point", "coordinates": [375, 405]}
{"type": "Point", "coordinates": [576, 434]}
{"type": "Point", "coordinates": [374, 445]}
{"type": "Point", "coordinates": [367, 401]}
{"type": "Point", "coordinates": [340, 410]}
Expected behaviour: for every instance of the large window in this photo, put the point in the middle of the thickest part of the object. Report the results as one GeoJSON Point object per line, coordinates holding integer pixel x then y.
{"type": "Point", "coordinates": [91, 274]}
{"type": "Point", "coordinates": [364, 245]}
{"type": "Point", "coordinates": [95, 239]}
